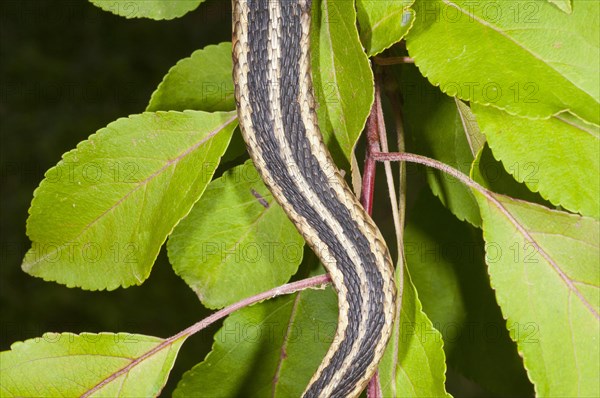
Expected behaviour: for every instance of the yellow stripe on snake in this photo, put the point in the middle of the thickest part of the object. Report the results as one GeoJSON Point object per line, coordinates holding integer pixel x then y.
{"type": "Point", "coordinates": [276, 109]}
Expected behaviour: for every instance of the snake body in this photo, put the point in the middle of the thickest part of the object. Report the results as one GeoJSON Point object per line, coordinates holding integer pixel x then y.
{"type": "Point", "coordinates": [276, 110]}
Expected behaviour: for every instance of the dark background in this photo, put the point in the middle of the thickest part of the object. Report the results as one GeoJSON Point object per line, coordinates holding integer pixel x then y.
{"type": "Point", "coordinates": [67, 69]}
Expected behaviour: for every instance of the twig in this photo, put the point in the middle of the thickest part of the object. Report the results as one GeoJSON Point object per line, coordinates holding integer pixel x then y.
{"type": "Point", "coordinates": [195, 328]}
{"type": "Point", "coordinates": [388, 167]}
{"type": "Point", "coordinates": [393, 92]}
{"type": "Point", "coordinates": [374, 387]}
{"type": "Point", "coordinates": [368, 182]}
{"type": "Point", "coordinates": [288, 288]}
{"type": "Point", "coordinates": [375, 126]}
{"type": "Point", "coordinates": [412, 158]}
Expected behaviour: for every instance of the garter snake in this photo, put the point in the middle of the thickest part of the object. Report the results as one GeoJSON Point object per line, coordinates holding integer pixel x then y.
{"type": "Point", "coordinates": [276, 111]}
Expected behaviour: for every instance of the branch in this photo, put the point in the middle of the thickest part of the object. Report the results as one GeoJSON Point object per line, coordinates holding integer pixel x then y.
{"type": "Point", "coordinates": [288, 288]}
{"type": "Point", "coordinates": [412, 158]}
{"type": "Point", "coordinates": [374, 387]}
{"type": "Point", "coordinates": [394, 203]}
{"type": "Point", "coordinates": [368, 182]}
{"type": "Point", "coordinates": [399, 205]}
{"type": "Point", "coordinates": [375, 133]}
{"type": "Point", "coordinates": [195, 328]}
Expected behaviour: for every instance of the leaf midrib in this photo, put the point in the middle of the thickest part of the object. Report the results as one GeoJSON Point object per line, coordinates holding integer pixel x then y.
{"type": "Point", "coordinates": [563, 276]}
{"type": "Point", "coordinates": [522, 46]}
{"type": "Point", "coordinates": [138, 186]}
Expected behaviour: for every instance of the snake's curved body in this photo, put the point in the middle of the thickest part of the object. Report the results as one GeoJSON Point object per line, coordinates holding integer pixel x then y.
{"type": "Point", "coordinates": [276, 109]}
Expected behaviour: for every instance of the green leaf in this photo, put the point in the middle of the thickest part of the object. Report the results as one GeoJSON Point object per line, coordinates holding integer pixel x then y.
{"type": "Point", "coordinates": [443, 128]}
{"type": "Point", "coordinates": [102, 365]}
{"type": "Point", "coordinates": [237, 148]}
{"type": "Point", "coordinates": [564, 5]}
{"type": "Point", "coordinates": [445, 258]}
{"type": "Point", "coordinates": [383, 23]}
{"type": "Point", "coordinates": [474, 135]}
{"type": "Point", "coordinates": [543, 265]}
{"type": "Point", "coordinates": [510, 54]}
{"type": "Point", "coordinates": [342, 77]}
{"type": "Point", "coordinates": [490, 173]}
{"type": "Point", "coordinates": [236, 241]}
{"type": "Point", "coordinates": [270, 349]}
{"type": "Point", "coordinates": [414, 363]}
{"type": "Point", "coordinates": [153, 9]}
{"type": "Point", "coordinates": [558, 157]}
{"type": "Point", "coordinates": [100, 216]}
{"type": "Point", "coordinates": [201, 82]}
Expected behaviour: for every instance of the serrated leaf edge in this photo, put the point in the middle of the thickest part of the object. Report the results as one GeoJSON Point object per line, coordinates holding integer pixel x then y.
{"type": "Point", "coordinates": [103, 131]}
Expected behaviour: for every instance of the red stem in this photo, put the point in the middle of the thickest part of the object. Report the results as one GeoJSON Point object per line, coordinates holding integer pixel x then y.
{"type": "Point", "coordinates": [374, 387]}
{"type": "Point", "coordinates": [368, 182]}
{"type": "Point", "coordinates": [374, 128]}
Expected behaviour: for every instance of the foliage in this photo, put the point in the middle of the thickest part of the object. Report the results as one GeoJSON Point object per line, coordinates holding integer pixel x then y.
{"type": "Point", "coordinates": [498, 93]}
{"type": "Point", "coordinates": [120, 364]}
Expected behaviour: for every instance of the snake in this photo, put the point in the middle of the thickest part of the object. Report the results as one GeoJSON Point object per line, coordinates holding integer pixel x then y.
{"type": "Point", "coordinates": [277, 116]}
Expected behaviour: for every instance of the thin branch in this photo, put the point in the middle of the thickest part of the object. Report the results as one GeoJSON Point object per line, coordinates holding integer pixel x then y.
{"type": "Point", "coordinates": [393, 94]}
{"type": "Point", "coordinates": [374, 126]}
{"type": "Point", "coordinates": [374, 387]}
{"type": "Point", "coordinates": [388, 167]}
{"type": "Point", "coordinates": [397, 205]}
{"type": "Point", "coordinates": [288, 288]}
{"type": "Point", "coordinates": [195, 328]}
{"type": "Point", "coordinates": [368, 182]}
{"type": "Point", "coordinates": [412, 158]}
